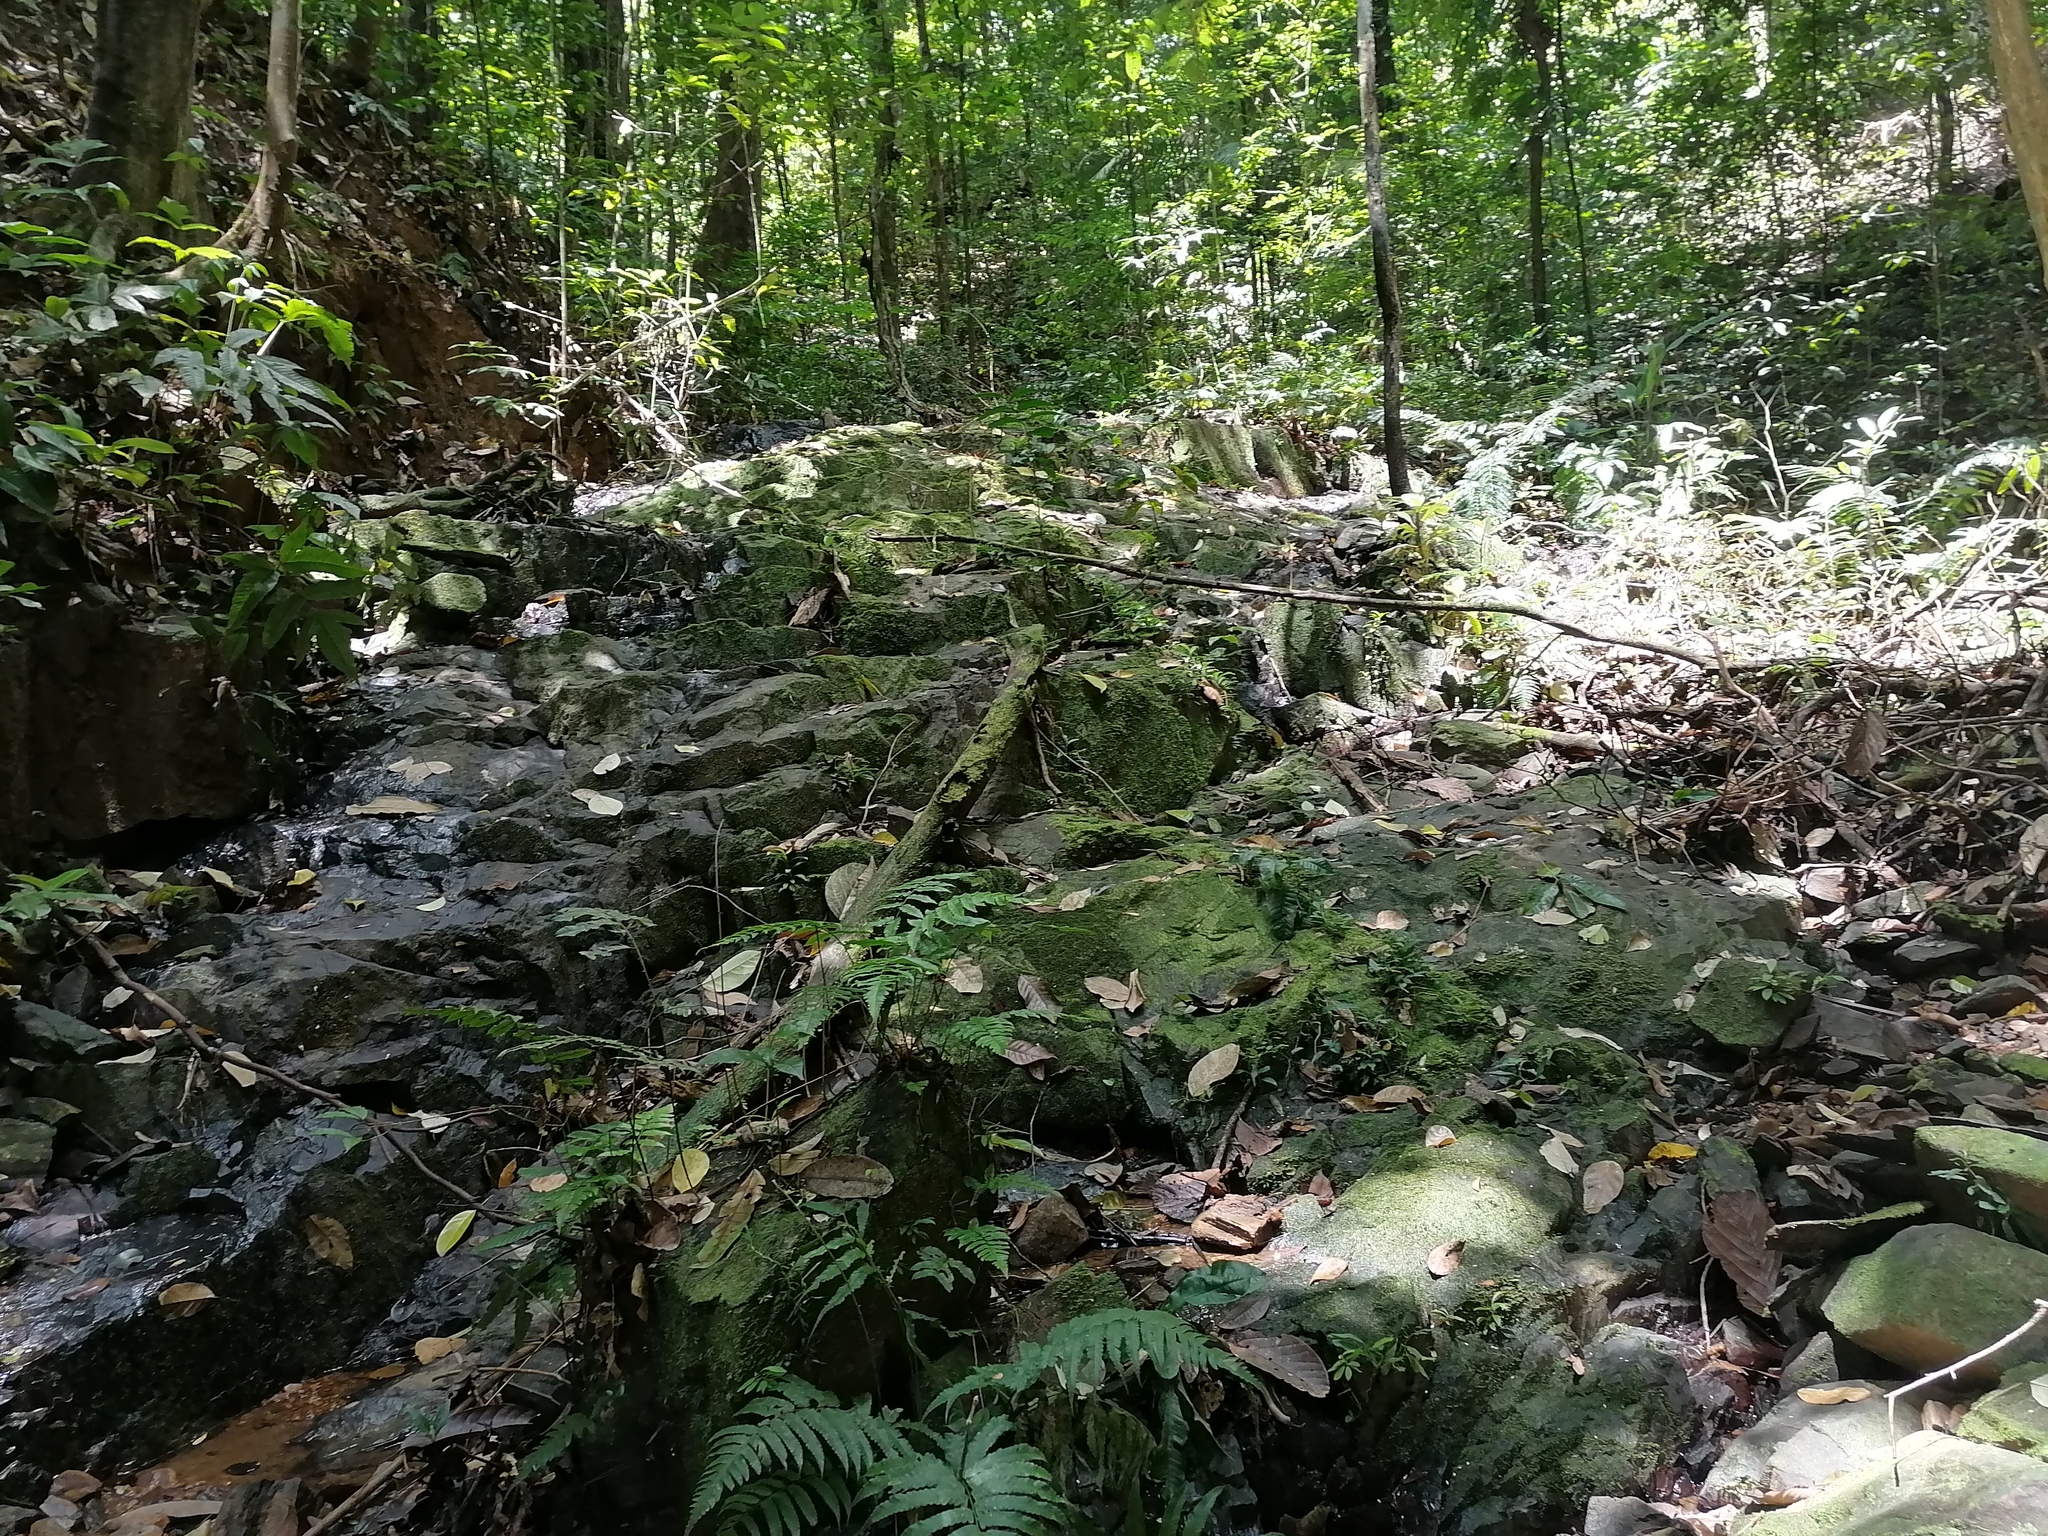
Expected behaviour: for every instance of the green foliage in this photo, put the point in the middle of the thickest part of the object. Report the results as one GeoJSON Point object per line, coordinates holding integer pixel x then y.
{"type": "Point", "coordinates": [1383, 1356]}
{"type": "Point", "coordinates": [294, 599]}
{"type": "Point", "coordinates": [606, 930]}
{"type": "Point", "coordinates": [1990, 1201]}
{"type": "Point", "coordinates": [1289, 887]}
{"type": "Point", "coordinates": [969, 1484]}
{"type": "Point", "coordinates": [1778, 986]}
{"type": "Point", "coordinates": [32, 902]}
{"type": "Point", "coordinates": [796, 1455]}
{"type": "Point", "coordinates": [1084, 1354]}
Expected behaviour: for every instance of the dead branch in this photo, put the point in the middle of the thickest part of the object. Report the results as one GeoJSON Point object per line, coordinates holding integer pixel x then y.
{"type": "Point", "coordinates": [1315, 594]}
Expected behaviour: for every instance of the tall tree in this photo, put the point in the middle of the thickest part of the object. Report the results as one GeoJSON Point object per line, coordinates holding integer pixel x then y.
{"type": "Point", "coordinates": [884, 259]}
{"type": "Point", "coordinates": [594, 77]}
{"type": "Point", "coordinates": [1538, 39]}
{"type": "Point", "coordinates": [1386, 282]}
{"type": "Point", "coordinates": [2024, 90]}
{"type": "Point", "coordinates": [141, 96]}
{"type": "Point", "coordinates": [263, 220]}
{"type": "Point", "coordinates": [729, 248]}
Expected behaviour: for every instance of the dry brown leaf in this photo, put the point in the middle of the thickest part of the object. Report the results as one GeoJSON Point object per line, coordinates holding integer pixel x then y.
{"type": "Point", "coordinates": [1444, 1258]}
{"type": "Point", "coordinates": [427, 1351]}
{"type": "Point", "coordinates": [1456, 791]}
{"type": "Point", "coordinates": [1388, 921]}
{"type": "Point", "coordinates": [1558, 1153]}
{"type": "Point", "coordinates": [1600, 1186]}
{"type": "Point", "coordinates": [1212, 1069]}
{"type": "Point", "coordinates": [843, 884]}
{"type": "Point", "coordinates": [1036, 997]}
{"type": "Point", "coordinates": [547, 1183]}
{"type": "Point", "coordinates": [964, 976]}
{"type": "Point", "coordinates": [1556, 917]}
{"type": "Point", "coordinates": [1135, 990]}
{"type": "Point", "coordinates": [1111, 992]}
{"type": "Point", "coordinates": [1737, 1233]}
{"type": "Point", "coordinates": [1025, 1053]}
{"type": "Point", "coordinates": [1328, 1270]}
{"type": "Point", "coordinates": [1868, 743]}
{"type": "Point", "coordinates": [788, 1165]}
{"type": "Point", "coordinates": [329, 1240]}
{"type": "Point", "coordinates": [395, 805]}
{"type": "Point", "coordinates": [1400, 1093]}
{"type": "Point", "coordinates": [1073, 901]}
{"type": "Point", "coordinates": [1287, 1358]}
{"type": "Point", "coordinates": [2034, 846]}
{"type": "Point", "coordinates": [1827, 1397]}
{"type": "Point", "coordinates": [1439, 1136]}
{"type": "Point", "coordinates": [184, 1298]}
{"type": "Point", "coordinates": [598, 804]}
{"type": "Point", "coordinates": [1324, 1191]}
{"type": "Point", "coordinates": [1179, 1196]}
{"type": "Point", "coordinates": [848, 1177]}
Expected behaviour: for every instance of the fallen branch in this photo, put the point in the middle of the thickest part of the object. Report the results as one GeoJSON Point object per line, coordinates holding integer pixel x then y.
{"type": "Point", "coordinates": [1314, 594]}
{"type": "Point", "coordinates": [955, 794]}
{"type": "Point", "coordinates": [356, 1500]}
{"type": "Point", "coordinates": [1891, 1398]}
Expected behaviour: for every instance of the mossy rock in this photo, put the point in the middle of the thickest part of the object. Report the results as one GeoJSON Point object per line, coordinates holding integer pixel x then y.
{"type": "Point", "coordinates": [730, 643]}
{"type": "Point", "coordinates": [1515, 1437]}
{"type": "Point", "coordinates": [452, 592]}
{"type": "Point", "coordinates": [887, 626]}
{"type": "Point", "coordinates": [1141, 744]}
{"type": "Point", "coordinates": [2012, 1417]}
{"type": "Point", "coordinates": [1486, 1189]}
{"type": "Point", "coordinates": [884, 677]}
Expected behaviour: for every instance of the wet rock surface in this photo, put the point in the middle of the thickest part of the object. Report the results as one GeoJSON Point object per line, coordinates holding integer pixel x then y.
{"type": "Point", "coordinates": [1398, 1046]}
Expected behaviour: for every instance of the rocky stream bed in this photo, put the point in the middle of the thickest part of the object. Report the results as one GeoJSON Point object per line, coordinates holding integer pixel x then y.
{"type": "Point", "coordinates": [1542, 1184]}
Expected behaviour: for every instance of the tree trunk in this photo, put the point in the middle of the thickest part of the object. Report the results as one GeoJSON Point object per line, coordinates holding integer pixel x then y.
{"type": "Point", "coordinates": [593, 34]}
{"type": "Point", "coordinates": [1385, 280]}
{"type": "Point", "coordinates": [2024, 91]}
{"type": "Point", "coordinates": [263, 220]}
{"type": "Point", "coordinates": [356, 69]}
{"type": "Point", "coordinates": [729, 247]}
{"type": "Point", "coordinates": [141, 97]}
{"type": "Point", "coordinates": [1533, 30]}
{"type": "Point", "coordinates": [884, 262]}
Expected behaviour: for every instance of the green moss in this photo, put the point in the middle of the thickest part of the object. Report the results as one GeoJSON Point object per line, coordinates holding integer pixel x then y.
{"type": "Point", "coordinates": [1978, 927]}
{"type": "Point", "coordinates": [1089, 840]}
{"type": "Point", "coordinates": [1144, 744]}
{"type": "Point", "coordinates": [884, 677]}
{"type": "Point", "coordinates": [728, 642]}
{"type": "Point", "coordinates": [878, 626]}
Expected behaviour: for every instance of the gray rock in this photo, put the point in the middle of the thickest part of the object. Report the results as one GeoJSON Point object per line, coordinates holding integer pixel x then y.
{"type": "Point", "coordinates": [25, 1147]}
{"type": "Point", "coordinates": [1923, 956]}
{"type": "Point", "coordinates": [451, 592]}
{"type": "Point", "coordinates": [1824, 1357]}
{"type": "Point", "coordinates": [1624, 1517]}
{"type": "Point", "coordinates": [1808, 1445]}
{"type": "Point", "coordinates": [1875, 1034]}
{"type": "Point", "coordinates": [48, 1035]}
{"type": "Point", "coordinates": [1999, 995]}
{"type": "Point", "coordinates": [1944, 1485]}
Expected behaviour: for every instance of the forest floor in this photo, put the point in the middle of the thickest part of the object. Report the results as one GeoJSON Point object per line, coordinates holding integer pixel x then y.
{"type": "Point", "coordinates": [1575, 1113]}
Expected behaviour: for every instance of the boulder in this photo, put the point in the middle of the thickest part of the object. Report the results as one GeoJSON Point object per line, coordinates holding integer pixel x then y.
{"type": "Point", "coordinates": [1943, 1485]}
{"type": "Point", "coordinates": [1808, 1445]}
{"type": "Point", "coordinates": [2014, 1165]}
{"type": "Point", "coordinates": [1624, 1517]}
{"type": "Point", "coordinates": [48, 1035]}
{"type": "Point", "coordinates": [1481, 742]}
{"type": "Point", "coordinates": [1925, 956]}
{"type": "Point", "coordinates": [1936, 1293]}
{"type": "Point", "coordinates": [453, 593]}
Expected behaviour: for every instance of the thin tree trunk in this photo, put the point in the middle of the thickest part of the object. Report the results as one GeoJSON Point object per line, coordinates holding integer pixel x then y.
{"type": "Point", "coordinates": [884, 262]}
{"type": "Point", "coordinates": [356, 70]}
{"type": "Point", "coordinates": [1385, 280]}
{"type": "Point", "coordinates": [2023, 89]}
{"type": "Point", "coordinates": [1532, 28]}
{"type": "Point", "coordinates": [728, 249]}
{"type": "Point", "coordinates": [141, 98]}
{"type": "Point", "coordinates": [262, 222]}
{"type": "Point", "coordinates": [594, 75]}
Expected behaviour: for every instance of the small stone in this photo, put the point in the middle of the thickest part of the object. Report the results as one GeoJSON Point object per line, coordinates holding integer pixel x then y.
{"type": "Point", "coordinates": [2014, 1165]}
{"type": "Point", "coordinates": [1936, 1293]}
{"type": "Point", "coordinates": [1237, 1224]}
{"type": "Point", "coordinates": [1923, 956]}
{"type": "Point", "coordinates": [1999, 996]}
{"type": "Point", "coordinates": [1869, 1033]}
{"type": "Point", "coordinates": [52, 1036]}
{"type": "Point", "coordinates": [2012, 1417]}
{"type": "Point", "coordinates": [1624, 1517]}
{"type": "Point", "coordinates": [1052, 1233]}
{"type": "Point", "coordinates": [25, 1148]}
{"type": "Point", "coordinates": [1475, 741]}
{"type": "Point", "coordinates": [453, 592]}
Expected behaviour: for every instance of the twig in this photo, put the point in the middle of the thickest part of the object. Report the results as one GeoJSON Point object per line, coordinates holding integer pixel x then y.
{"type": "Point", "coordinates": [1313, 594]}
{"type": "Point", "coordinates": [358, 1499]}
{"type": "Point", "coordinates": [1230, 1129]}
{"type": "Point", "coordinates": [1891, 1398]}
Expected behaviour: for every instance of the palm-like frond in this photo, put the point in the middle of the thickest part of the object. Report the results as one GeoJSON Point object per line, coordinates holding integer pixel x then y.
{"type": "Point", "coordinates": [967, 1485]}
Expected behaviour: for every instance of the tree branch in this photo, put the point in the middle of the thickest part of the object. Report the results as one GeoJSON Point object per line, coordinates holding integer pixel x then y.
{"type": "Point", "coordinates": [1313, 594]}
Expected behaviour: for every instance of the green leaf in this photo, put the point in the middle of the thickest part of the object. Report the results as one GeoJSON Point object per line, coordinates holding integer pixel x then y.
{"type": "Point", "coordinates": [453, 1231]}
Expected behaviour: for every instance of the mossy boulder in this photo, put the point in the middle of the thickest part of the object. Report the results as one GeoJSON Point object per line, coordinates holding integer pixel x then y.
{"type": "Point", "coordinates": [1936, 1293]}
{"type": "Point", "coordinates": [2014, 1165]}
{"type": "Point", "coordinates": [729, 643]}
{"type": "Point", "coordinates": [1142, 743]}
{"type": "Point", "coordinates": [1935, 1485]}
{"type": "Point", "coordinates": [1486, 1189]}
{"type": "Point", "coordinates": [2014, 1417]}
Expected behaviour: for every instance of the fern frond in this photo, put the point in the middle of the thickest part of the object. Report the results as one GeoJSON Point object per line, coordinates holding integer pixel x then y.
{"type": "Point", "coordinates": [779, 1505]}
{"type": "Point", "coordinates": [970, 1486]}
{"type": "Point", "coordinates": [1087, 1350]}
{"type": "Point", "coordinates": [984, 1243]}
{"type": "Point", "coordinates": [795, 1438]}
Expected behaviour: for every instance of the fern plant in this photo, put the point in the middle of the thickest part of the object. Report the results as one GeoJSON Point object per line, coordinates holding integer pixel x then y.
{"type": "Point", "coordinates": [799, 1459]}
